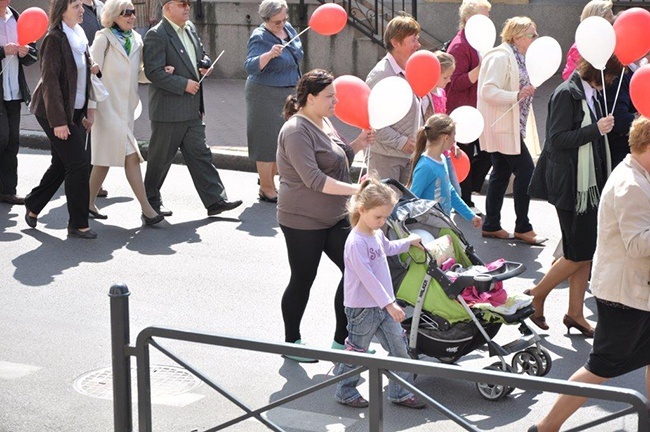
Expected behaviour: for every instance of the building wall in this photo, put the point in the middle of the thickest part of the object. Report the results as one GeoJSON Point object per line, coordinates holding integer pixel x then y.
{"type": "Point", "coordinates": [227, 25]}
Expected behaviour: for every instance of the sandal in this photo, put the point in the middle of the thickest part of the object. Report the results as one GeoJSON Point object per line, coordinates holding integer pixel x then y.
{"type": "Point", "coordinates": [531, 238]}
{"type": "Point", "coordinates": [501, 234]}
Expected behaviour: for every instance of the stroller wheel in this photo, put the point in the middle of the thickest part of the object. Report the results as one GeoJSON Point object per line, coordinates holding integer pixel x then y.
{"type": "Point", "coordinates": [545, 357]}
{"type": "Point", "coordinates": [528, 362]}
{"type": "Point", "coordinates": [494, 392]}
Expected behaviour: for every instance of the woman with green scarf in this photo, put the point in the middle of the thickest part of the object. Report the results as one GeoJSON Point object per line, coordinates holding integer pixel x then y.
{"type": "Point", "coordinates": [571, 174]}
{"type": "Point", "coordinates": [117, 49]}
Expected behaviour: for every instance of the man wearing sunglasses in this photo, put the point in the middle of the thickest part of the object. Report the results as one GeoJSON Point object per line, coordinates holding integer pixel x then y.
{"type": "Point", "coordinates": [176, 108]}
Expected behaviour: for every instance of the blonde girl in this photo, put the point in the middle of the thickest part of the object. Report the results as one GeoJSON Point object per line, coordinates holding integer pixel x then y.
{"type": "Point", "coordinates": [430, 172]}
{"type": "Point", "coordinates": [369, 298]}
{"type": "Point", "coordinates": [438, 94]}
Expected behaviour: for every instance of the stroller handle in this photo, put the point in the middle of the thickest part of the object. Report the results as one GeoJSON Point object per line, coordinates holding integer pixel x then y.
{"type": "Point", "coordinates": [405, 192]}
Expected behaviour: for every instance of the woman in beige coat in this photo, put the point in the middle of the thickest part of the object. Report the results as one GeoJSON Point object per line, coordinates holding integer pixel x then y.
{"type": "Point", "coordinates": [118, 51]}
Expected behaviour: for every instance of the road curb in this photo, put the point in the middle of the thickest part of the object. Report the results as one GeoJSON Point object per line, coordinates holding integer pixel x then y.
{"type": "Point", "coordinates": [229, 158]}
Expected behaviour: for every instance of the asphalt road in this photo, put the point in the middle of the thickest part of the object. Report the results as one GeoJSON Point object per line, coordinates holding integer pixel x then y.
{"type": "Point", "coordinates": [226, 276]}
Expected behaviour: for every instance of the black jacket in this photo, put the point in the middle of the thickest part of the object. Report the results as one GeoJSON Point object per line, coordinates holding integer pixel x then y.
{"type": "Point", "coordinates": [29, 59]}
{"type": "Point", "coordinates": [554, 178]}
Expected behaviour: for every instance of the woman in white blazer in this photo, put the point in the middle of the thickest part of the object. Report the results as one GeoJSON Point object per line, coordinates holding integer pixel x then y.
{"type": "Point", "coordinates": [118, 51]}
{"type": "Point", "coordinates": [502, 83]}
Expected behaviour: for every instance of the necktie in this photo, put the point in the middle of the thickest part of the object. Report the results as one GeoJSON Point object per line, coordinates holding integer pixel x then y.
{"type": "Point", "coordinates": [598, 111]}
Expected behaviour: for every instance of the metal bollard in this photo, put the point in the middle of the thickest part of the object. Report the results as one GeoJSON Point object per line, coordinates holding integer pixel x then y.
{"type": "Point", "coordinates": [120, 339]}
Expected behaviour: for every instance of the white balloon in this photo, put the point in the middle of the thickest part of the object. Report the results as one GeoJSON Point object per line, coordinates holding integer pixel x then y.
{"type": "Point", "coordinates": [596, 40]}
{"type": "Point", "coordinates": [469, 123]}
{"type": "Point", "coordinates": [543, 59]}
{"type": "Point", "coordinates": [138, 110]}
{"type": "Point", "coordinates": [389, 101]}
{"type": "Point", "coordinates": [480, 33]}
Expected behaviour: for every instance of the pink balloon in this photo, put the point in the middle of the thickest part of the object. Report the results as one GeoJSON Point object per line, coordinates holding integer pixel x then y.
{"type": "Point", "coordinates": [31, 26]}
{"type": "Point", "coordinates": [352, 108]}
{"type": "Point", "coordinates": [328, 19]}
{"type": "Point", "coordinates": [422, 72]}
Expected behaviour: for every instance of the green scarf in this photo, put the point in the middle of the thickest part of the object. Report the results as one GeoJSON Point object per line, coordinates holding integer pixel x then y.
{"type": "Point", "coordinates": [588, 195]}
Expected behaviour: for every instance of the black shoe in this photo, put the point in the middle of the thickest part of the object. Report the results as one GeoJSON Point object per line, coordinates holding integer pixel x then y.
{"type": "Point", "coordinates": [96, 215]}
{"type": "Point", "coordinates": [102, 193]}
{"type": "Point", "coordinates": [12, 199]}
{"type": "Point", "coordinates": [152, 220]}
{"type": "Point", "coordinates": [264, 197]}
{"type": "Point", "coordinates": [31, 220]}
{"type": "Point", "coordinates": [223, 206]}
{"type": "Point", "coordinates": [74, 232]}
{"type": "Point", "coordinates": [162, 210]}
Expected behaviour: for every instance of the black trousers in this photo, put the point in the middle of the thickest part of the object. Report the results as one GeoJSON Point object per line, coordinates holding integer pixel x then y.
{"type": "Point", "coordinates": [305, 248]}
{"type": "Point", "coordinates": [70, 165]}
{"type": "Point", "coordinates": [9, 145]}
{"type": "Point", "coordinates": [480, 164]}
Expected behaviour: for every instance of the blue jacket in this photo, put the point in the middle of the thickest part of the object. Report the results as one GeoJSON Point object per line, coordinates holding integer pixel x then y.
{"type": "Point", "coordinates": [282, 71]}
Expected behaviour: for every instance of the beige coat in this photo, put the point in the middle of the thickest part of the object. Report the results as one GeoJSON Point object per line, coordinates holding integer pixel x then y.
{"type": "Point", "coordinates": [498, 87]}
{"type": "Point", "coordinates": [113, 127]}
{"type": "Point", "coordinates": [621, 268]}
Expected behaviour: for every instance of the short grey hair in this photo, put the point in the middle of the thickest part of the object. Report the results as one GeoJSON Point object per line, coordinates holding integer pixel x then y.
{"type": "Point", "coordinates": [113, 9]}
{"type": "Point", "coordinates": [269, 8]}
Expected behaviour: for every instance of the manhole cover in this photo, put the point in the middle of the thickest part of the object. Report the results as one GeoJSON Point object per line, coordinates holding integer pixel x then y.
{"type": "Point", "coordinates": [165, 381]}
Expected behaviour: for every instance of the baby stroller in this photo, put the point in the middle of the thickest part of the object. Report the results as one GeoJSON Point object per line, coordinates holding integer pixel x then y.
{"type": "Point", "coordinates": [441, 323]}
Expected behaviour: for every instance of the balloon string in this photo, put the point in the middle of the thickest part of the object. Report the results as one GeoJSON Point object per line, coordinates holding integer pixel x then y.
{"type": "Point", "coordinates": [11, 58]}
{"type": "Point", "coordinates": [416, 123]}
{"type": "Point", "coordinates": [295, 37]}
{"type": "Point", "coordinates": [509, 109]}
{"type": "Point", "coordinates": [617, 91]}
{"type": "Point", "coordinates": [366, 161]}
{"type": "Point", "coordinates": [212, 65]}
{"type": "Point", "coordinates": [602, 77]}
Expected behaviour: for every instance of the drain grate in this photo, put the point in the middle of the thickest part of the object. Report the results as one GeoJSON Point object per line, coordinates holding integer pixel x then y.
{"type": "Point", "coordinates": [166, 381]}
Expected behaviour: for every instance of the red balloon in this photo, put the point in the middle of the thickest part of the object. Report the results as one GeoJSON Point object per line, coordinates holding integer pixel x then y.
{"type": "Point", "coordinates": [461, 165]}
{"type": "Point", "coordinates": [32, 25]}
{"type": "Point", "coordinates": [640, 90]}
{"type": "Point", "coordinates": [422, 72]}
{"type": "Point", "coordinates": [632, 37]}
{"type": "Point", "coordinates": [328, 19]}
{"type": "Point", "coordinates": [352, 108]}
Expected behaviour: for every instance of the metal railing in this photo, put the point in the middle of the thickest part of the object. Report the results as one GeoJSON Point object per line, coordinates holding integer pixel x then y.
{"type": "Point", "coordinates": [377, 367]}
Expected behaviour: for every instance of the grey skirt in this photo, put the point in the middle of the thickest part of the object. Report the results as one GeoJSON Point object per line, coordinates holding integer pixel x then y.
{"type": "Point", "coordinates": [264, 119]}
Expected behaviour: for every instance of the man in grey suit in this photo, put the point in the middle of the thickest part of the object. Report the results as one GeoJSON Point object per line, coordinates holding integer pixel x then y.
{"type": "Point", "coordinates": [176, 108]}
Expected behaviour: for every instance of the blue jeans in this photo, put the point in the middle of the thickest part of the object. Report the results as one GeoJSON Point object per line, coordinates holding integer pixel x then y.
{"type": "Point", "coordinates": [503, 166]}
{"type": "Point", "coordinates": [363, 324]}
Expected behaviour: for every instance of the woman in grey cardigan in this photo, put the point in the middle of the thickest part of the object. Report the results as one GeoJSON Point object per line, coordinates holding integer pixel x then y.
{"type": "Point", "coordinates": [314, 167]}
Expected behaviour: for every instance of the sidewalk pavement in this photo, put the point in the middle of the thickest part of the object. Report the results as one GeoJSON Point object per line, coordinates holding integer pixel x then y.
{"type": "Point", "coordinates": [225, 122]}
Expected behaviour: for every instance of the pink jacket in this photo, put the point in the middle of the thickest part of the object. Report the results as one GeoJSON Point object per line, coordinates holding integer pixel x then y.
{"type": "Point", "coordinates": [572, 58]}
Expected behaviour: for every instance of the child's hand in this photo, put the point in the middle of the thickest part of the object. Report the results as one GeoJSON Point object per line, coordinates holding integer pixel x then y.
{"type": "Point", "coordinates": [455, 151]}
{"type": "Point", "coordinates": [396, 312]}
{"type": "Point", "coordinates": [415, 240]}
{"type": "Point", "coordinates": [477, 221]}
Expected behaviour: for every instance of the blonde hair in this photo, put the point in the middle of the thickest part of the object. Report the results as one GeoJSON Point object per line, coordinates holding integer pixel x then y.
{"type": "Point", "coordinates": [436, 126]}
{"type": "Point", "coordinates": [639, 138]}
{"type": "Point", "coordinates": [399, 28]}
{"type": "Point", "coordinates": [596, 8]}
{"type": "Point", "coordinates": [470, 8]}
{"type": "Point", "coordinates": [515, 27]}
{"type": "Point", "coordinates": [446, 60]}
{"type": "Point", "coordinates": [113, 9]}
{"type": "Point", "coordinates": [372, 193]}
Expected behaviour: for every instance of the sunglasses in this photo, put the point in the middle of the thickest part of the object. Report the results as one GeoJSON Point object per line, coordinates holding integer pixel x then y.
{"type": "Point", "coordinates": [128, 12]}
{"type": "Point", "coordinates": [278, 22]}
{"type": "Point", "coordinates": [532, 36]}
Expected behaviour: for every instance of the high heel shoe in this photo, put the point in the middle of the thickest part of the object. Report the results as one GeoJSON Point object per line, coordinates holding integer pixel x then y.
{"type": "Point", "coordinates": [265, 197]}
{"type": "Point", "coordinates": [539, 321]}
{"type": "Point", "coordinates": [152, 220]}
{"type": "Point", "coordinates": [571, 323]}
{"type": "Point", "coordinates": [31, 220]}
{"type": "Point", "coordinates": [96, 215]}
